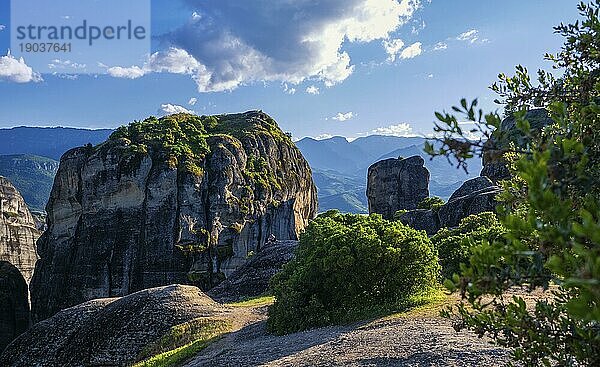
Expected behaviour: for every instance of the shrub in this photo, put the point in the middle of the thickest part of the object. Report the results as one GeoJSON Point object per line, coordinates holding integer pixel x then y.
{"type": "Point", "coordinates": [434, 202]}
{"type": "Point", "coordinates": [349, 267]}
{"type": "Point", "coordinates": [454, 245]}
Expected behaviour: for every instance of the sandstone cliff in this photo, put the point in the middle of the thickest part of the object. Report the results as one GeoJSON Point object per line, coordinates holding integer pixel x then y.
{"type": "Point", "coordinates": [183, 199]}
{"type": "Point", "coordinates": [18, 231]}
{"type": "Point", "coordinates": [397, 184]}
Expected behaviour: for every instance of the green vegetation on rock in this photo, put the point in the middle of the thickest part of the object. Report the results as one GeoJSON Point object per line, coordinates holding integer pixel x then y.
{"type": "Point", "coordinates": [350, 267]}
{"type": "Point", "coordinates": [182, 140]}
{"type": "Point", "coordinates": [183, 342]}
{"type": "Point", "coordinates": [434, 202]}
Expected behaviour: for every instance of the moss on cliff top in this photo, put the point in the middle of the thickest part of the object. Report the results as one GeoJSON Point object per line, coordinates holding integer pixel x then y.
{"type": "Point", "coordinates": [181, 139]}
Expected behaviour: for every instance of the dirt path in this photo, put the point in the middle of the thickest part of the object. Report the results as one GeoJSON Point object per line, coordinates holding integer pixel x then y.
{"type": "Point", "coordinates": [416, 339]}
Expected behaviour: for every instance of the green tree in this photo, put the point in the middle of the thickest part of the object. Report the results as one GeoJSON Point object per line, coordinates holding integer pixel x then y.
{"type": "Point", "coordinates": [550, 209]}
{"type": "Point", "coordinates": [348, 267]}
{"type": "Point", "coordinates": [454, 244]}
{"type": "Point", "coordinates": [434, 202]}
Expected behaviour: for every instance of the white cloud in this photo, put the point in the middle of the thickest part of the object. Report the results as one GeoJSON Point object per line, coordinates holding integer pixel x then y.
{"type": "Point", "coordinates": [66, 76]}
{"type": "Point", "coordinates": [393, 47]}
{"type": "Point", "coordinates": [289, 90]}
{"type": "Point", "coordinates": [411, 51]}
{"type": "Point", "coordinates": [173, 60]}
{"type": "Point", "coordinates": [440, 46]}
{"type": "Point", "coordinates": [394, 130]}
{"type": "Point", "coordinates": [430, 76]}
{"type": "Point", "coordinates": [343, 116]}
{"type": "Point", "coordinates": [323, 137]}
{"type": "Point", "coordinates": [169, 109]}
{"type": "Point", "coordinates": [2, 27]}
{"type": "Point", "coordinates": [16, 70]}
{"type": "Point", "coordinates": [65, 64]}
{"type": "Point", "coordinates": [132, 72]}
{"type": "Point", "coordinates": [283, 41]}
{"type": "Point", "coordinates": [314, 90]}
{"type": "Point", "coordinates": [469, 36]}
{"type": "Point", "coordinates": [192, 101]}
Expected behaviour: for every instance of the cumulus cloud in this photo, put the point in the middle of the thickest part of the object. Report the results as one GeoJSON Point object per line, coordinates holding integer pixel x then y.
{"type": "Point", "coordinates": [393, 130]}
{"type": "Point", "coordinates": [231, 43]}
{"type": "Point", "coordinates": [173, 60]}
{"type": "Point", "coordinates": [314, 90]}
{"type": "Point", "coordinates": [393, 47]}
{"type": "Point", "coordinates": [169, 109]}
{"type": "Point", "coordinates": [343, 116]}
{"type": "Point", "coordinates": [411, 51]}
{"type": "Point", "coordinates": [193, 101]}
{"type": "Point", "coordinates": [16, 70]}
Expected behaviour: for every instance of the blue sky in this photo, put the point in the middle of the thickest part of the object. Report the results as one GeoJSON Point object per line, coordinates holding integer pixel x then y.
{"type": "Point", "coordinates": [233, 56]}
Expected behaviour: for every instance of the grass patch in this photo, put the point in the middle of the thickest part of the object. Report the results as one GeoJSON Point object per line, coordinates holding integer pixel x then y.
{"type": "Point", "coordinates": [183, 342]}
{"type": "Point", "coordinates": [254, 302]}
{"type": "Point", "coordinates": [426, 305]}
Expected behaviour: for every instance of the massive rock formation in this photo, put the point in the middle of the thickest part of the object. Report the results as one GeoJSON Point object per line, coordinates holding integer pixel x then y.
{"type": "Point", "coordinates": [111, 332]}
{"type": "Point", "coordinates": [475, 196]}
{"type": "Point", "coordinates": [18, 231]}
{"type": "Point", "coordinates": [252, 278]}
{"type": "Point", "coordinates": [14, 305]}
{"type": "Point", "coordinates": [183, 199]}
{"type": "Point", "coordinates": [494, 165]}
{"type": "Point", "coordinates": [397, 184]}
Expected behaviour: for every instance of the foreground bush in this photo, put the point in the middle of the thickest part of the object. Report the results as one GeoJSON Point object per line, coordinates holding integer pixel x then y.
{"type": "Point", "coordinates": [348, 267]}
{"type": "Point", "coordinates": [454, 245]}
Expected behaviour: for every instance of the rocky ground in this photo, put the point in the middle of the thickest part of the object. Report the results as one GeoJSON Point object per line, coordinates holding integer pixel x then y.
{"type": "Point", "coordinates": [418, 338]}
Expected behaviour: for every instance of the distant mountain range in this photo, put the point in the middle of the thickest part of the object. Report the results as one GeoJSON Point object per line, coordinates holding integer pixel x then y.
{"type": "Point", "coordinates": [340, 168]}
{"type": "Point", "coordinates": [29, 155]}
{"type": "Point", "coordinates": [51, 142]}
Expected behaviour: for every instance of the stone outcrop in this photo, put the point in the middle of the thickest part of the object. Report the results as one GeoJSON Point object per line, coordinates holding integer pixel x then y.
{"type": "Point", "coordinates": [18, 232]}
{"type": "Point", "coordinates": [475, 196]}
{"type": "Point", "coordinates": [110, 332]}
{"type": "Point", "coordinates": [494, 165]}
{"type": "Point", "coordinates": [397, 184]}
{"type": "Point", "coordinates": [14, 304]}
{"type": "Point", "coordinates": [252, 278]}
{"type": "Point", "coordinates": [125, 216]}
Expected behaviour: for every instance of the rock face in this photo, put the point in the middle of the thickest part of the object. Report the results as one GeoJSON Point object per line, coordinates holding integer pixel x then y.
{"type": "Point", "coordinates": [494, 166]}
{"type": "Point", "coordinates": [252, 278]}
{"type": "Point", "coordinates": [127, 216]}
{"type": "Point", "coordinates": [109, 332]}
{"type": "Point", "coordinates": [475, 196]}
{"type": "Point", "coordinates": [397, 184]}
{"type": "Point", "coordinates": [14, 304]}
{"type": "Point", "coordinates": [18, 231]}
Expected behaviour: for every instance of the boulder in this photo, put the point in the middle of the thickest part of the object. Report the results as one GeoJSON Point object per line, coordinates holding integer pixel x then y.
{"type": "Point", "coordinates": [397, 184]}
{"type": "Point", "coordinates": [14, 304]}
{"type": "Point", "coordinates": [110, 332]}
{"type": "Point", "coordinates": [252, 278]}
{"type": "Point", "coordinates": [475, 196]}
{"type": "Point", "coordinates": [18, 232]}
{"type": "Point", "coordinates": [422, 219]}
{"type": "Point", "coordinates": [494, 165]}
{"type": "Point", "coordinates": [128, 215]}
